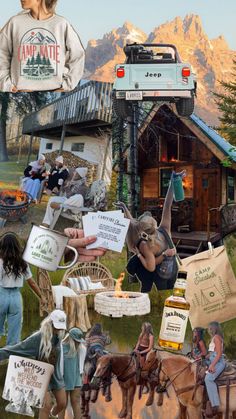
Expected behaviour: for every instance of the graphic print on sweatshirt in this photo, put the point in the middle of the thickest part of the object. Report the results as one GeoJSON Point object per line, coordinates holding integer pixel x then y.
{"type": "Point", "coordinates": [38, 55]}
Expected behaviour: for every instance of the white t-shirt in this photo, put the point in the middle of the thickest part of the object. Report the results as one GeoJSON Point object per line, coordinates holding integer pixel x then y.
{"type": "Point", "coordinates": [9, 281]}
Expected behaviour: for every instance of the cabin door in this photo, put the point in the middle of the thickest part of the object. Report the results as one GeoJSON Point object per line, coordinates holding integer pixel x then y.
{"type": "Point", "coordinates": [207, 192]}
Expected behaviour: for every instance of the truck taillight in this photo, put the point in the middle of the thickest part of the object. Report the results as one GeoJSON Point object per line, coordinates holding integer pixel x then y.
{"type": "Point", "coordinates": [186, 72]}
{"type": "Point", "coordinates": [120, 72]}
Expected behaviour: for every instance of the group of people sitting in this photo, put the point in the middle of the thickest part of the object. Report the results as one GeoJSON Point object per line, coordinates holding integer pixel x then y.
{"type": "Point", "coordinates": [39, 170]}
{"type": "Point", "coordinates": [69, 190]}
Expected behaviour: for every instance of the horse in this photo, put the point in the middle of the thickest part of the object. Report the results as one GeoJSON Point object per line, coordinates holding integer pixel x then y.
{"type": "Point", "coordinates": [150, 374]}
{"type": "Point", "coordinates": [124, 367]}
{"type": "Point", "coordinates": [88, 392]}
{"type": "Point", "coordinates": [182, 373]}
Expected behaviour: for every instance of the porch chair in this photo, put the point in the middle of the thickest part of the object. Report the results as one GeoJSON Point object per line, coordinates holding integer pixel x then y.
{"type": "Point", "coordinates": [63, 298]}
{"type": "Point", "coordinates": [96, 200]}
{"type": "Point", "coordinates": [81, 275]}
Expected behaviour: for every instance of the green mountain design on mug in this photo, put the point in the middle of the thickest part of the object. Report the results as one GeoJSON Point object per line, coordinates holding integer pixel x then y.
{"type": "Point", "coordinates": [45, 248]}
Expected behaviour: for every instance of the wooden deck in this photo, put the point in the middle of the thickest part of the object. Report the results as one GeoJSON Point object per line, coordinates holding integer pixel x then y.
{"type": "Point", "coordinates": [90, 105]}
{"type": "Point", "coordinates": [196, 236]}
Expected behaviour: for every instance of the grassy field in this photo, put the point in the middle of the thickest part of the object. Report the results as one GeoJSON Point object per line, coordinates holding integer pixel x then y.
{"type": "Point", "coordinates": [10, 173]}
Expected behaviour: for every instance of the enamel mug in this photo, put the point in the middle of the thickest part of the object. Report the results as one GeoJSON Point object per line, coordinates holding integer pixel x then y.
{"type": "Point", "coordinates": [45, 249]}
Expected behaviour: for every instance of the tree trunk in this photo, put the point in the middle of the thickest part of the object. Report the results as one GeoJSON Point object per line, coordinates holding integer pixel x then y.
{"type": "Point", "coordinates": [3, 140]}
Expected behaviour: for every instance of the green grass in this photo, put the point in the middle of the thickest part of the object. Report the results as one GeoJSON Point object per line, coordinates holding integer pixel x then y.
{"type": "Point", "coordinates": [10, 173]}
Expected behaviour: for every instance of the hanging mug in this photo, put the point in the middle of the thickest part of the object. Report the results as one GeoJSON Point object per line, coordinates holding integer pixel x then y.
{"type": "Point", "coordinates": [45, 249]}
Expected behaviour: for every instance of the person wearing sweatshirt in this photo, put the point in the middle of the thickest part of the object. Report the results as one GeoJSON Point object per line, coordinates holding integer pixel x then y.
{"type": "Point", "coordinates": [39, 50]}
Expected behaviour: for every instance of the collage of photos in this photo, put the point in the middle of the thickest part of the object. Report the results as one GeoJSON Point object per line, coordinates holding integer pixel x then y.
{"type": "Point", "coordinates": [117, 209]}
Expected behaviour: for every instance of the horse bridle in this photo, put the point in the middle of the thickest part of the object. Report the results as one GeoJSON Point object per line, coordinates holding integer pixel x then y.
{"type": "Point", "coordinates": [168, 382]}
{"type": "Point", "coordinates": [108, 369]}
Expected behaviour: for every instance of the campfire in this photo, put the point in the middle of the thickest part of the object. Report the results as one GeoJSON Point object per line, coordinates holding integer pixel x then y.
{"type": "Point", "coordinates": [13, 205]}
{"type": "Point", "coordinates": [120, 303]}
{"type": "Point", "coordinates": [118, 287]}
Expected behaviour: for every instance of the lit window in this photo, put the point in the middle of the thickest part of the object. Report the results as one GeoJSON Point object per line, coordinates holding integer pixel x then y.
{"type": "Point", "coordinates": [77, 147]}
{"type": "Point", "coordinates": [165, 175]}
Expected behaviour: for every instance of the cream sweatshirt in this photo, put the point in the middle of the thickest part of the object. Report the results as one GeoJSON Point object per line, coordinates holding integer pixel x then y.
{"type": "Point", "coordinates": [40, 54]}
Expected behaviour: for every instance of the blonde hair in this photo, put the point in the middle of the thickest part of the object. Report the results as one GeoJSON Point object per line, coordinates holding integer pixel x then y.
{"type": "Point", "coordinates": [146, 329]}
{"type": "Point", "coordinates": [46, 329]}
{"type": "Point", "coordinates": [49, 5]}
{"type": "Point", "coordinates": [144, 224]}
{"type": "Point", "coordinates": [73, 345]}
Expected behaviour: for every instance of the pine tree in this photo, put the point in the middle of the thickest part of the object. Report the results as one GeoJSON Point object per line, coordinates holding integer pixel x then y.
{"type": "Point", "coordinates": [32, 61]}
{"type": "Point", "coordinates": [227, 105]}
{"type": "Point", "coordinates": [38, 60]}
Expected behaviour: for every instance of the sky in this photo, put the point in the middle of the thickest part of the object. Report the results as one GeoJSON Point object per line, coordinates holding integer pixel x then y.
{"type": "Point", "coordinates": [93, 18]}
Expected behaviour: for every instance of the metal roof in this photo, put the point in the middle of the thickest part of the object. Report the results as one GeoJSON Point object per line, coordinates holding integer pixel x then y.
{"type": "Point", "coordinates": [219, 141]}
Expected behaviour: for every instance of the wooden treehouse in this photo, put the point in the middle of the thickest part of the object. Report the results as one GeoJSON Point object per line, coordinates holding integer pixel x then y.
{"type": "Point", "coordinates": [167, 142]}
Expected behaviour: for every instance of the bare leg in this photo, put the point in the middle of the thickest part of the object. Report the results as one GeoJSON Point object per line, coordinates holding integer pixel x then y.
{"type": "Point", "coordinates": [60, 396]}
{"type": "Point", "coordinates": [62, 413]}
{"type": "Point", "coordinates": [75, 402]}
{"type": "Point", "coordinates": [123, 411]}
{"type": "Point", "coordinates": [45, 411]}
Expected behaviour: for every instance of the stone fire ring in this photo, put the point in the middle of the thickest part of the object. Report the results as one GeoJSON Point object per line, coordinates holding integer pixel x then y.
{"type": "Point", "coordinates": [107, 304]}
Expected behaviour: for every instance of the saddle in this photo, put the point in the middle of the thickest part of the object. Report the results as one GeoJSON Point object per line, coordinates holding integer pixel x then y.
{"type": "Point", "coordinates": [227, 376]}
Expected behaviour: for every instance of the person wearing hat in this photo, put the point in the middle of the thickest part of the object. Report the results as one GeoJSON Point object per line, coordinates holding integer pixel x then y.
{"type": "Point", "coordinates": [58, 174]}
{"type": "Point", "coordinates": [74, 355]}
{"type": "Point", "coordinates": [72, 195]}
{"type": "Point", "coordinates": [45, 345]}
{"type": "Point", "coordinates": [34, 174]}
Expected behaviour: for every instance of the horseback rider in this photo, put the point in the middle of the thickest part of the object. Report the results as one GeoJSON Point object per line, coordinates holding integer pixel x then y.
{"type": "Point", "coordinates": [145, 342]}
{"type": "Point", "coordinates": [199, 349]}
{"type": "Point", "coordinates": [95, 342]}
{"type": "Point", "coordinates": [216, 364]}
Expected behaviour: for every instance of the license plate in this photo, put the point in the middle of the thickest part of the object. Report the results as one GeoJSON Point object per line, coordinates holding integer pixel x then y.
{"type": "Point", "coordinates": [134, 95]}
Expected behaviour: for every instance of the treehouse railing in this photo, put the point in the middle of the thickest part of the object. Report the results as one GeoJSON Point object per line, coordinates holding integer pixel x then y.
{"type": "Point", "coordinates": [91, 101]}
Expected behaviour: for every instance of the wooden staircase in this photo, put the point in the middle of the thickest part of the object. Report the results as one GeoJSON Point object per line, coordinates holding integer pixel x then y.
{"type": "Point", "coordinates": [185, 250]}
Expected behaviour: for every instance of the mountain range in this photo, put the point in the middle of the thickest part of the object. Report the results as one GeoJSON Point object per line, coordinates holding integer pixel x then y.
{"type": "Point", "coordinates": [39, 38]}
{"type": "Point", "coordinates": [211, 59]}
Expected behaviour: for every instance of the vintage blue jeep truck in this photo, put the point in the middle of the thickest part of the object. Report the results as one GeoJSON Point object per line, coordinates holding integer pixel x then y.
{"type": "Point", "coordinates": [153, 72]}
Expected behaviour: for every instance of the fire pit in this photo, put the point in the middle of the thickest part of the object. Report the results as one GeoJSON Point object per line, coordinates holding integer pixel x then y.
{"type": "Point", "coordinates": [13, 206]}
{"type": "Point", "coordinates": [120, 303]}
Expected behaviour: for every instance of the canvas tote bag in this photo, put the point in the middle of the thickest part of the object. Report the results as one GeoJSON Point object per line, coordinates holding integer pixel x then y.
{"type": "Point", "coordinates": [211, 287]}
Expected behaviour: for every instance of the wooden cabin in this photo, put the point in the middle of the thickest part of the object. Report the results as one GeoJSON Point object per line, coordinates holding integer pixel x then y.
{"type": "Point", "coordinates": [168, 142]}
{"type": "Point", "coordinates": [78, 122]}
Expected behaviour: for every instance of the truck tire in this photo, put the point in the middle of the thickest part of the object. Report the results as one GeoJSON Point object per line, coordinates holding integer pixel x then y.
{"type": "Point", "coordinates": [122, 108]}
{"type": "Point", "coordinates": [185, 107]}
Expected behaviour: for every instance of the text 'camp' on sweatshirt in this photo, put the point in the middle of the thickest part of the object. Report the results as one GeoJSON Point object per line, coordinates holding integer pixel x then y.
{"type": "Point", "coordinates": [40, 54]}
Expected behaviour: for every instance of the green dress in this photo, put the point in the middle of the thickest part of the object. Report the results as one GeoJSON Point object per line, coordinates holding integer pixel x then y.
{"type": "Point", "coordinates": [72, 376]}
{"type": "Point", "coordinates": [29, 348]}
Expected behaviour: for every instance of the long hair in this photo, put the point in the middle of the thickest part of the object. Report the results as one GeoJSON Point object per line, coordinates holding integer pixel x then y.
{"type": "Point", "coordinates": [73, 345]}
{"type": "Point", "coordinates": [144, 224]}
{"type": "Point", "coordinates": [146, 329]}
{"type": "Point", "coordinates": [215, 329]}
{"type": "Point", "coordinates": [11, 255]}
{"type": "Point", "coordinates": [49, 5]}
{"type": "Point", "coordinates": [46, 329]}
{"type": "Point", "coordinates": [200, 333]}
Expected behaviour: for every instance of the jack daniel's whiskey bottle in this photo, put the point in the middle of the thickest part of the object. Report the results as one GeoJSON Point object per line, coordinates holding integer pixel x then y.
{"type": "Point", "coordinates": [175, 316]}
